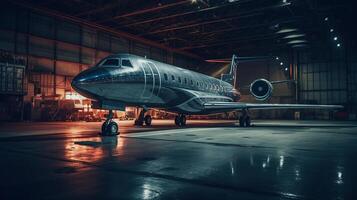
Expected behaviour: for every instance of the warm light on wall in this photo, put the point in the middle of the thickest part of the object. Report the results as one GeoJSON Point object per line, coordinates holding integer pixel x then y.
{"type": "Point", "coordinates": [73, 96]}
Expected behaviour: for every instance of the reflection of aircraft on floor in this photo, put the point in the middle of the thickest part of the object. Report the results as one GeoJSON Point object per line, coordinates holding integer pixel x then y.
{"type": "Point", "coordinates": [128, 80]}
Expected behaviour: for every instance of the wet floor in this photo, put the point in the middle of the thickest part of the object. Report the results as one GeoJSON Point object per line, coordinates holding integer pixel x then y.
{"type": "Point", "coordinates": [206, 160]}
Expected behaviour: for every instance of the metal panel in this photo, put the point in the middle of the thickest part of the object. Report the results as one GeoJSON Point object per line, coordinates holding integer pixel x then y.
{"type": "Point", "coordinates": [119, 45]}
{"type": "Point", "coordinates": [41, 26]}
{"type": "Point", "coordinates": [7, 18]}
{"type": "Point", "coordinates": [68, 32]}
{"type": "Point", "coordinates": [67, 52]}
{"type": "Point", "coordinates": [103, 42]}
{"type": "Point", "coordinates": [41, 47]}
{"type": "Point", "coordinates": [41, 64]}
{"type": "Point", "coordinates": [21, 43]}
{"type": "Point", "coordinates": [67, 68]}
{"type": "Point", "coordinates": [88, 56]}
{"type": "Point", "coordinates": [7, 40]}
{"type": "Point", "coordinates": [89, 37]}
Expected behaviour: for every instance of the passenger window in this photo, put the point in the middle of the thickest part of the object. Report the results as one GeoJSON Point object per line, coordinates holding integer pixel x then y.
{"type": "Point", "coordinates": [126, 63]}
{"type": "Point", "coordinates": [179, 79]}
{"type": "Point", "coordinates": [172, 77]}
{"type": "Point", "coordinates": [185, 81]}
{"type": "Point", "coordinates": [191, 82]}
{"type": "Point", "coordinates": [111, 63]}
{"type": "Point", "coordinates": [165, 77]}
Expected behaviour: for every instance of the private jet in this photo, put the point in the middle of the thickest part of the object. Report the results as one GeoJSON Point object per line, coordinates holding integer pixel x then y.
{"type": "Point", "coordinates": [122, 80]}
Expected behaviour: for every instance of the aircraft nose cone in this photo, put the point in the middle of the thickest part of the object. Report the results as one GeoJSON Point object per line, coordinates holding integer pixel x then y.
{"type": "Point", "coordinates": [84, 83]}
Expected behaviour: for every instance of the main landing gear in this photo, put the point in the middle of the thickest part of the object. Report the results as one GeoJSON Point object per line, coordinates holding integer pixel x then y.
{"type": "Point", "coordinates": [110, 127]}
{"type": "Point", "coordinates": [180, 120]}
{"type": "Point", "coordinates": [244, 119]}
{"type": "Point", "coordinates": [141, 119]}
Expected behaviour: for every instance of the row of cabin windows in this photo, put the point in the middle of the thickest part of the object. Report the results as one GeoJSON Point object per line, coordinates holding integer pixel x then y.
{"type": "Point", "coordinates": [206, 85]}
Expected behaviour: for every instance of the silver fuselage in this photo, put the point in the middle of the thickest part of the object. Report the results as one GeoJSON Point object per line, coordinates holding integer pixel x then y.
{"type": "Point", "coordinates": [152, 84]}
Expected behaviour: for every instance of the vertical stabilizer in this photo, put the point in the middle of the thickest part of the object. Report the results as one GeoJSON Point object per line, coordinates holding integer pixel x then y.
{"type": "Point", "coordinates": [232, 76]}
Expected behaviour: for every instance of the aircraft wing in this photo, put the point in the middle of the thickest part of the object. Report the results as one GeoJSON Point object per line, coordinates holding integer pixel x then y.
{"type": "Point", "coordinates": [263, 106]}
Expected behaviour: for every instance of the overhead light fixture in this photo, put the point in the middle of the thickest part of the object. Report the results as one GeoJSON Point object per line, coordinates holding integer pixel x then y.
{"type": "Point", "coordinates": [193, 1]}
{"type": "Point", "coordinates": [338, 45]}
{"type": "Point", "coordinates": [286, 69]}
{"type": "Point", "coordinates": [326, 19]}
{"type": "Point", "coordinates": [287, 30]}
{"type": "Point", "coordinates": [277, 58]}
{"type": "Point", "coordinates": [299, 46]}
{"type": "Point", "coordinates": [297, 41]}
{"type": "Point", "coordinates": [331, 30]}
{"type": "Point", "coordinates": [284, 1]}
{"type": "Point", "coordinates": [335, 38]}
{"type": "Point", "coordinates": [294, 36]}
{"type": "Point", "coordinates": [281, 63]}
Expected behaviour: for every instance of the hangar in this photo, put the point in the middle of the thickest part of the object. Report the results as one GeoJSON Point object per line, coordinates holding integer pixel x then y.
{"type": "Point", "coordinates": [307, 49]}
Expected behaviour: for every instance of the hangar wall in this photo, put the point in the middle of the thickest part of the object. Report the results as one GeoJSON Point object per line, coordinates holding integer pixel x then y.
{"type": "Point", "coordinates": [55, 50]}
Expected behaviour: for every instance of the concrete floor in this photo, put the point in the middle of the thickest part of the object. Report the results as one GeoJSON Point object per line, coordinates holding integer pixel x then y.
{"type": "Point", "coordinates": [206, 160]}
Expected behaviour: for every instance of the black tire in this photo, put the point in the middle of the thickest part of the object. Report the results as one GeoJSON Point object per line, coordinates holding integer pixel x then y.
{"type": "Point", "coordinates": [241, 121]}
{"type": "Point", "coordinates": [138, 123]}
{"type": "Point", "coordinates": [247, 121]}
{"type": "Point", "coordinates": [148, 120]}
{"type": "Point", "coordinates": [183, 120]}
{"type": "Point", "coordinates": [177, 121]}
{"type": "Point", "coordinates": [110, 129]}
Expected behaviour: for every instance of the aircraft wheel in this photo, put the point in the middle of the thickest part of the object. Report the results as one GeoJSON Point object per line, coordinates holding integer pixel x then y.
{"type": "Point", "coordinates": [138, 122]}
{"type": "Point", "coordinates": [177, 121]}
{"type": "Point", "coordinates": [247, 121]}
{"type": "Point", "coordinates": [110, 128]}
{"type": "Point", "coordinates": [183, 120]}
{"type": "Point", "coordinates": [147, 120]}
{"type": "Point", "coordinates": [241, 121]}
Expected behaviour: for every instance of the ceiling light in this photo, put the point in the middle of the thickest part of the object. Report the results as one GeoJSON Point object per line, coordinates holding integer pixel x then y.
{"type": "Point", "coordinates": [286, 69]}
{"type": "Point", "coordinates": [335, 38]}
{"type": "Point", "coordinates": [299, 46]}
{"type": "Point", "coordinates": [281, 63]}
{"type": "Point", "coordinates": [294, 36]}
{"type": "Point", "coordinates": [326, 19]}
{"type": "Point", "coordinates": [284, 1]}
{"type": "Point", "coordinates": [277, 58]}
{"type": "Point", "coordinates": [193, 1]}
{"type": "Point", "coordinates": [297, 41]}
{"type": "Point", "coordinates": [331, 30]}
{"type": "Point", "coordinates": [338, 45]}
{"type": "Point", "coordinates": [287, 30]}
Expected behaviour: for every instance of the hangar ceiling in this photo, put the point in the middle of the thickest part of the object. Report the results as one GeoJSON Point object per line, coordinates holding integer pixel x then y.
{"type": "Point", "coordinates": [215, 28]}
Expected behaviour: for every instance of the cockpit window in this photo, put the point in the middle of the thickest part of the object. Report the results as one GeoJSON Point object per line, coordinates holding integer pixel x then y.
{"type": "Point", "coordinates": [126, 63]}
{"type": "Point", "coordinates": [111, 63]}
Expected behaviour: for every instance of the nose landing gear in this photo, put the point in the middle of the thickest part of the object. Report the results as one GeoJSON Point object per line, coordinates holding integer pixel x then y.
{"type": "Point", "coordinates": [180, 120]}
{"type": "Point", "coordinates": [109, 127]}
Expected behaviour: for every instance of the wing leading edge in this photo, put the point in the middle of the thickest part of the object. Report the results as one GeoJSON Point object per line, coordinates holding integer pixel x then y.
{"type": "Point", "coordinates": [258, 106]}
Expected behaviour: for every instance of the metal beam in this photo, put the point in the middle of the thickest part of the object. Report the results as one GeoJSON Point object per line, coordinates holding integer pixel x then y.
{"type": "Point", "coordinates": [234, 41]}
{"type": "Point", "coordinates": [102, 28]}
{"type": "Point", "coordinates": [250, 13]}
{"type": "Point", "coordinates": [185, 13]}
{"type": "Point", "coordinates": [147, 10]}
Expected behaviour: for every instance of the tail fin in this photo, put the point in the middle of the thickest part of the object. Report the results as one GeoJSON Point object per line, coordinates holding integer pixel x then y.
{"type": "Point", "coordinates": [232, 76]}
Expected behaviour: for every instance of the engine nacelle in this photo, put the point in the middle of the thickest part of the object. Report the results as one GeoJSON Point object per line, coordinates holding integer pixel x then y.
{"type": "Point", "coordinates": [261, 89]}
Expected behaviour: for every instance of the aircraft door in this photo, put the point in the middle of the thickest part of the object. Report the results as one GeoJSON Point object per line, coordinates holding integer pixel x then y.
{"type": "Point", "coordinates": [156, 78]}
{"type": "Point", "coordinates": [152, 80]}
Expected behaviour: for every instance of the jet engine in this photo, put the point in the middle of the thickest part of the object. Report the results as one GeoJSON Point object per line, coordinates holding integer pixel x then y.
{"type": "Point", "coordinates": [261, 89]}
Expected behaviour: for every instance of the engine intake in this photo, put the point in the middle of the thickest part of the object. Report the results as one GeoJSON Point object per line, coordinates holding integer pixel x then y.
{"type": "Point", "coordinates": [261, 89]}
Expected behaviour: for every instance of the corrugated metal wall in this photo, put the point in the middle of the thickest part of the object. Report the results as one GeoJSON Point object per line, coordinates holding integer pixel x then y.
{"type": "Point", "coordinates": [57, 47]}
{"type": "Point", "coordinates": [328, 76]}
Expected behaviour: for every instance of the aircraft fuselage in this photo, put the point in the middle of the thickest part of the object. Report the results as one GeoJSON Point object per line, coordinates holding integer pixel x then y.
{"type": "Point", "coordinates": [136, 81]}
